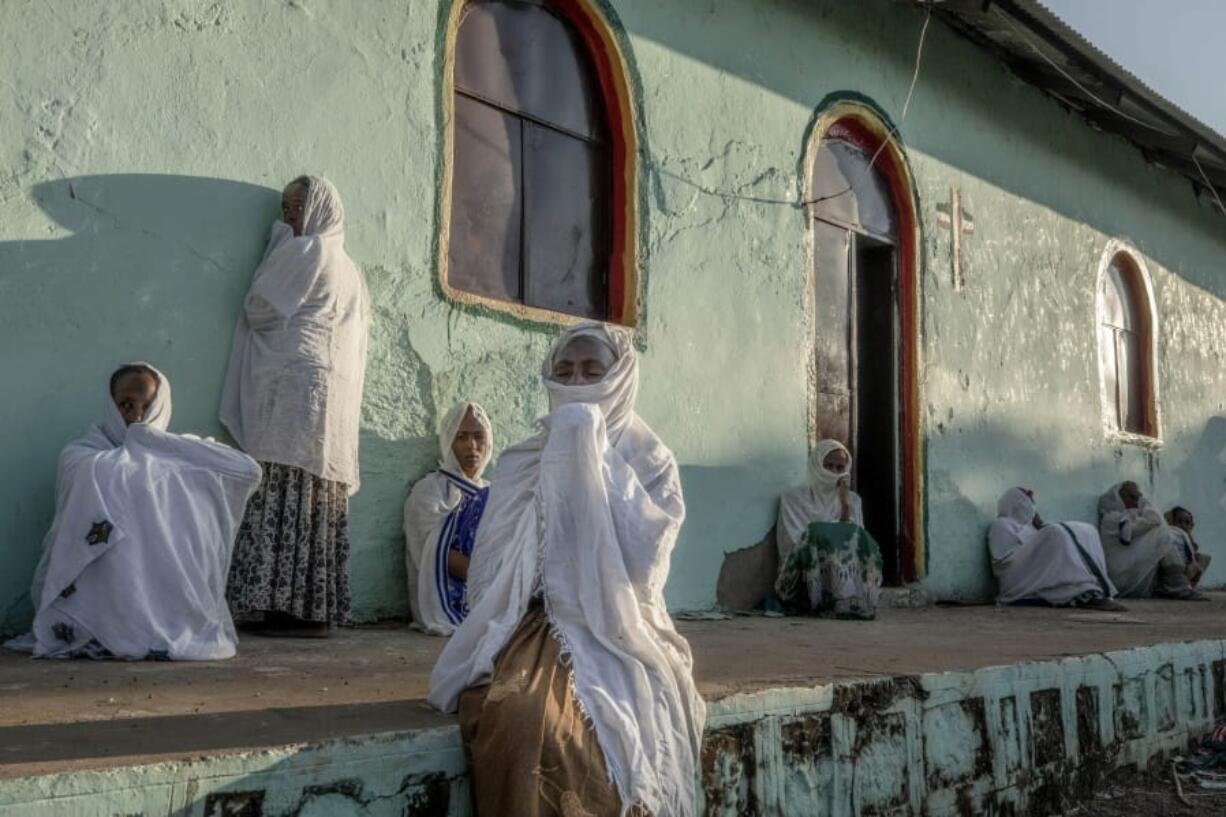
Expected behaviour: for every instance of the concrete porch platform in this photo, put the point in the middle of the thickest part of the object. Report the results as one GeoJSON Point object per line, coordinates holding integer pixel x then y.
{"type": "Point", "coordinates": [69, 715]}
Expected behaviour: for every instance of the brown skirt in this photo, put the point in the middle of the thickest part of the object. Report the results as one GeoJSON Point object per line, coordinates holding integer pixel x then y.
{"type": "Point", "coordinates": [530, 751]}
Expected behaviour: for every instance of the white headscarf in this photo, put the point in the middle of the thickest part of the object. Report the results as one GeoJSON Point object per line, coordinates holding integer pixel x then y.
{"type": "Point", "coordinates": [293, 392]}
{"type": "Point", "coordinates": [323, 214]}
{"type": "Point", "coordinates": [816, 502]}
{"type": "Point", "coordinates": [1015, 512]}
{"type": "Point", "coordinates": [586, 513]}
{"type": "Point", "coordinates": [825, 483]}
{"type": "Point", "coordinates": [616, 394]}
{"type": "Point", "coordinates": [449, 427]}
{"type": "Point", "coordinates": [157, 415]}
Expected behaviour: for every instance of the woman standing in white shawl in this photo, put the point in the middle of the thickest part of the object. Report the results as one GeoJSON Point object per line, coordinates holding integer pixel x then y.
{"type": "Point", "coordinates": [135, 563]}
{"type": "Point", "coordinates": [1060, 564]}
{"type": "Point", "coordinates": [1143, 553]}
{"type": "Point", "coordinates": [828, 562]}
{"type": "Point", "coordinates": [574, 689]}
{"type": "Point", "coordinates": [292, 400]}
{"type": "Point", "coordinates": [441, 517]}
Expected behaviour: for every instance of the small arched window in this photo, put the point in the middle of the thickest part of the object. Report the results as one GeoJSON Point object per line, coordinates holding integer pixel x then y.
{"type": "Point", "coordinates": [532, 167]}
{"type": "Point", "coordinates": [1125, 347]}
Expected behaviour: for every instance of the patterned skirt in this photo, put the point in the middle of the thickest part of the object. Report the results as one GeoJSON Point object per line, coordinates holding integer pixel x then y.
{"type": "Point", "coordinates": [292, 551]}
{"type": "Point", "coordinates": [835, 569]}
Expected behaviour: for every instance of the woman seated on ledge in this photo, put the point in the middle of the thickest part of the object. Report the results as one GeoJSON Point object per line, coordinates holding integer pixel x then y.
{"type": "Point", "coordinates": [1182, 523]}
{"type": "Point", "coordinates": [828, 561]}
{"type": "Point", "coordinates": [574, 690]}
{"type": "Point", "coordinates": [440, 521]}
{"type": "Point", "coordinates": [1143, 553]}
{"type": "Point", "coordinates": [1060, 564]}
{"type": "Point", "coordinates": [134, 565]}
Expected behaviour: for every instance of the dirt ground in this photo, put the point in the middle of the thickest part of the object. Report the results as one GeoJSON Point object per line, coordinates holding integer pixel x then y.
{"type": "Point", "coordinates": [1129, 794]}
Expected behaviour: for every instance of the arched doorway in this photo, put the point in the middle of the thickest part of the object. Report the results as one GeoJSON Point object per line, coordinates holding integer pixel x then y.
{"type": "Point", "coordinates": [865, 336]}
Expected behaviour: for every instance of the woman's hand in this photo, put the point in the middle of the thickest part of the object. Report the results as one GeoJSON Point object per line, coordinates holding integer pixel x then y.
{"type": "Point", "coordinates": [457, 565]}
{"type": "Point", "coordinates": [844, 501]}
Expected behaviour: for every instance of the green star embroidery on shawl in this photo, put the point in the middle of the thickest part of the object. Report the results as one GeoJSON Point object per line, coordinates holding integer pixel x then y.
{"type": "Point", "coordinates": [100, 533]}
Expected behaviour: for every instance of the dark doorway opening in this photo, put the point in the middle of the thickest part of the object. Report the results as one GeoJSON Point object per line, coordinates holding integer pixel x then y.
{"type": "Point", "coordinates": [874, 393]}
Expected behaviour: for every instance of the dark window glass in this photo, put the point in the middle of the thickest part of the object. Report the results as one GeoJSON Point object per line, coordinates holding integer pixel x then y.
{"type": "Point", "coordinates": [565, 184]}
{"type": "Point", "coordinates": [531, 173]}
{"type": "Point", "coordinates": [486, 205]}
{"type": "Point", "coordinates": [1123, 341]}
{"type": "Point", "coordinates": [847, 190]}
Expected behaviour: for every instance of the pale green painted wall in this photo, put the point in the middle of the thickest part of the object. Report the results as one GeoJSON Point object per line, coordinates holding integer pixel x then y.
{"type": "Point", "coordinates": [143, 143]}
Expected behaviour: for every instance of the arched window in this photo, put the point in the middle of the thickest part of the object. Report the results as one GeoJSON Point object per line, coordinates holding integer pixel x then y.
{"type": "Point", "coordinates": [1125, 346]}
{"type": "Point", "coordinates": [532, 175]}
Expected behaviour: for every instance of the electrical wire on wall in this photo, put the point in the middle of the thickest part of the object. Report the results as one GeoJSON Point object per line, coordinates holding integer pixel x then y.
{"type": "Point", "coordinates": [1209, 184]}
{"type": "Point", "coordinates": [891, 128]}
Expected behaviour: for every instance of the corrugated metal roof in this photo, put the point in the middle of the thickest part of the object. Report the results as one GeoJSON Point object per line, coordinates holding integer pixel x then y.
{"type": "Point", "coordinates": [1043, 50]}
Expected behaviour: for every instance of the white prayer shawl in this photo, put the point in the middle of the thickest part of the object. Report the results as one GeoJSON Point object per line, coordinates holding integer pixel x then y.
{"type": "Point", "coordinates": [1058, 563]}
{"type": "Point", "coordinates": [293, 391]}
{"type": "Point", "coordinates": [586, 514]}
{"type": "Point", "coordinates": [430, 517]}
{"type": "Point", "coordinates": [1135, 540]}
{"type": "Point", "coordinates": [136, 560]}
{"type": "Point", "coordinates": [816, 502]}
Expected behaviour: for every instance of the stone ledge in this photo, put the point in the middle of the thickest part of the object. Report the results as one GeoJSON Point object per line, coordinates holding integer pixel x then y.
{"type": "Point", "coordinates": [1018, 739]}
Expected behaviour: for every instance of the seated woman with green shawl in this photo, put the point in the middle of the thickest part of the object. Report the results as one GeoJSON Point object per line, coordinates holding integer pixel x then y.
{"type": "Point", "coordinates": [828, 562]}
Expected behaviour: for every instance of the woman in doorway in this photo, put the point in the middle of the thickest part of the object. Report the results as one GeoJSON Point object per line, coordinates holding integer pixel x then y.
{"type": "Point", "coordinates": [1059, 564]}
{"type": "Point", "coordinates": [828, 561]}
{"type": "Point", "coordinates": [441, 517]}
{"type": "Point", "coordinates": [573, 687]}
{"type": "Point", "coordinates": [292, 400]}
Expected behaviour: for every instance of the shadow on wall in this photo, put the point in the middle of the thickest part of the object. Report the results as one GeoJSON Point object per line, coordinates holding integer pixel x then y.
{"type": "Point", "coordinates": [153, 267]}
{"type": "Point", "coordinates": [962, 498]}
{"type": "Point", "coordinates": [1202, 476]}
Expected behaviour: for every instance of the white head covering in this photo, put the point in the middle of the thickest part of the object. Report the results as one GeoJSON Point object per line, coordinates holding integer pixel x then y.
{"type": "Point", "coordinates": [322, 214]}
{"type": "Point", "coordinates": [1015, 512]}
{"type": "Point", "coordinates": [1018, 505]}
{"type": "Point", "coordinates": [450, 426]}
{"type": "Point", "coordinates": [824, 482]}
{"type": "Point", "coordinates": [616, 393]}
{"type": "Point", "coordinates": [156, 416]}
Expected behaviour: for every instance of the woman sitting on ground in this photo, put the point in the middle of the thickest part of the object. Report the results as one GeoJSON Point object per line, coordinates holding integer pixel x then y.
{"type": "Point", "coordinates": [573, 687]}
{"type": "Point", "coordinates": [1182, 523]}
{"type": "Point", "coordinates": [1143, 554]}
{"type": "Point", "coordinates": [134, 565]}
{"type": "Point", "coordinates": [441, 517]}
{"type": "Point", "coordinates": [828, 561]}
{"type": "Point", "coordinates": [1060, 564]}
